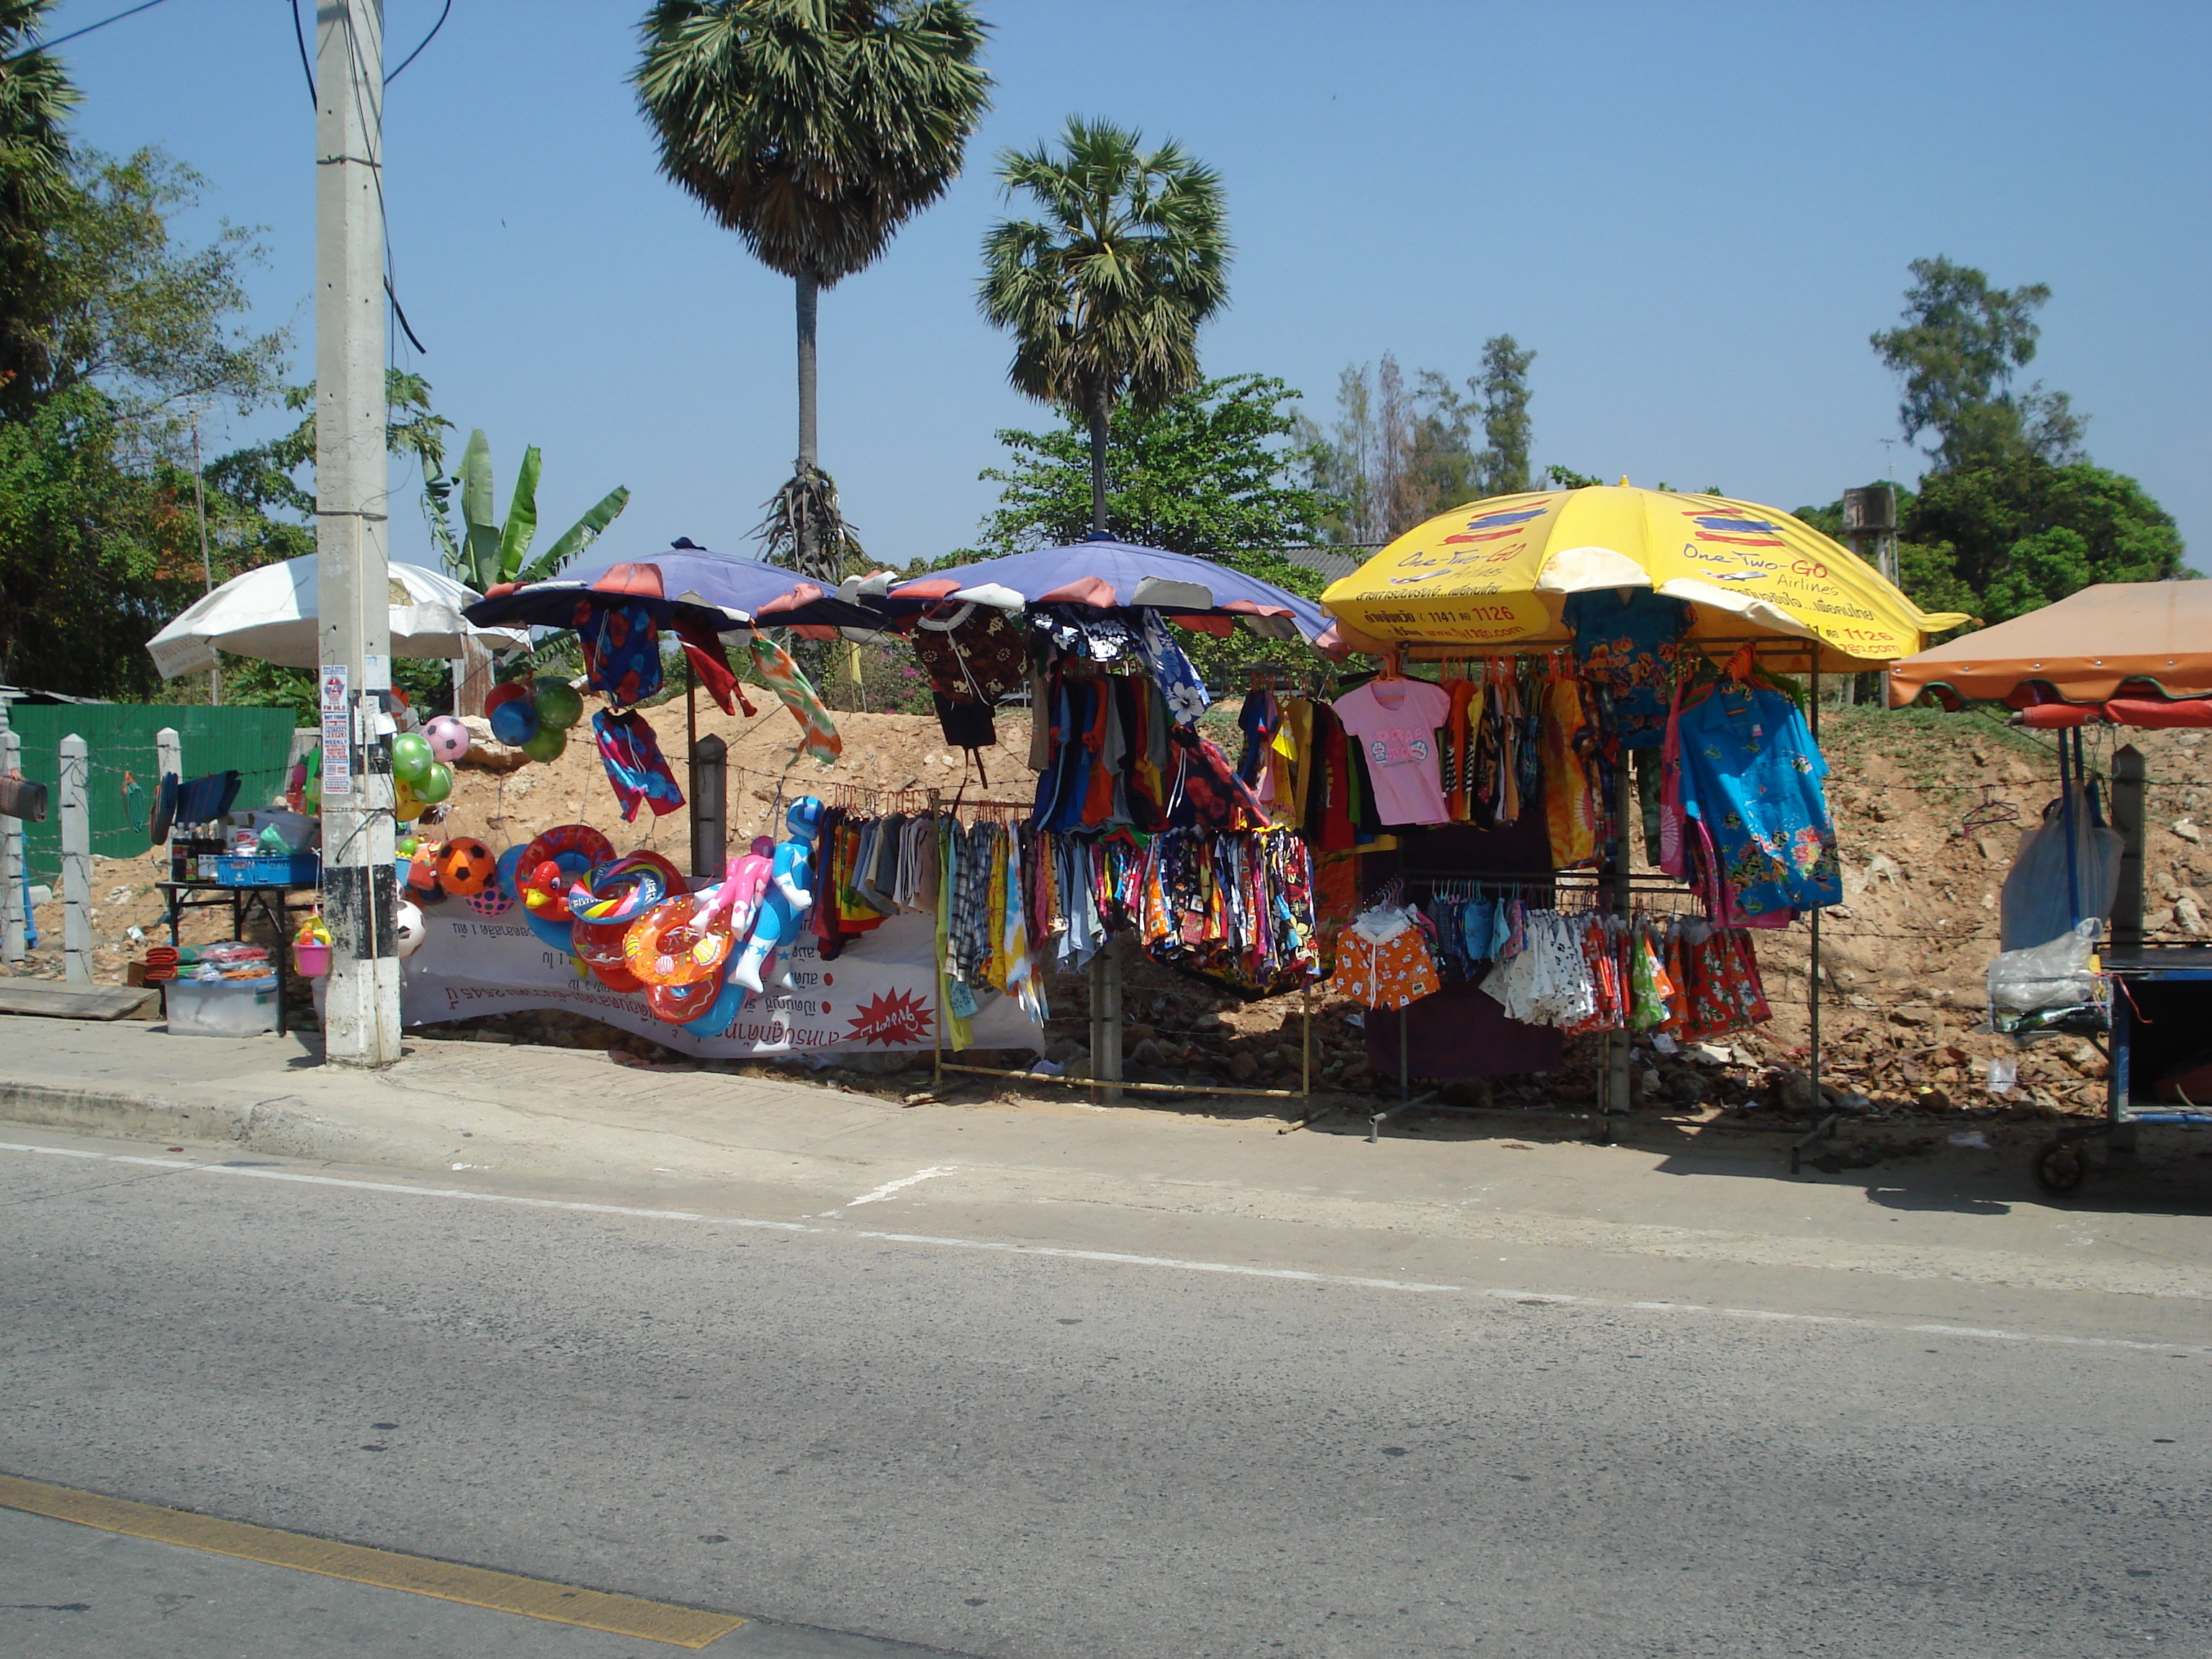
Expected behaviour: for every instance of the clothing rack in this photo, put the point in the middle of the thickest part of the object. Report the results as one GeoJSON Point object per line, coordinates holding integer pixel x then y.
{"type": "Point", "coordinates": [872, 802]}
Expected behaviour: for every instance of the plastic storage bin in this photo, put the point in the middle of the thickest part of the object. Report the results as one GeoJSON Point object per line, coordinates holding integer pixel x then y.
{"type": "Point", "coordinates": [231, 1009]}
{"type": "Point", "coordinates": [270, 870]}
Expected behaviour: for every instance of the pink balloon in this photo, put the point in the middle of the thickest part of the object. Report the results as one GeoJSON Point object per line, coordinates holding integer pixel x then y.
{"type": "Point", "coordinates": [448, 738]}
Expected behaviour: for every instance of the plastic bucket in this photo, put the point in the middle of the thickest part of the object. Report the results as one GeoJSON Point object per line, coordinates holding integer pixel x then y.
{"type": "Point", "coordinates": [312, 960]}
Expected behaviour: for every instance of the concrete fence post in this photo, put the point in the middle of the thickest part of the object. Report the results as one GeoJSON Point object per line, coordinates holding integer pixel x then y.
{"type": "Point", "coordinates": [12, 920]}
{"type": "Point", "coordinates": [76, 859]}
{"type": "Point", "coordinates": [168, 762]}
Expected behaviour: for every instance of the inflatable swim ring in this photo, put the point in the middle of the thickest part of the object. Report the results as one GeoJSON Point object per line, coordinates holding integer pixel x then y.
{"type": "Point", "coordinates": [624, 890]}
{"type": "Point", "coordinates": [605, 903]}
{"type": "Point", "coordinates": [586, 845]}
{"type": "Point", "coordinates": [677, 1005]}
{"type": "Point", "coordinates": [676, 943]}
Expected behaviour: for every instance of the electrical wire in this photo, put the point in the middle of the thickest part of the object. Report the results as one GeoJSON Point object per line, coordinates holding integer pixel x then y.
{"type": "Point", "coordinates": [417, 52]}
{"type": "Point", "coordinates": [405, 327]}
{"type": "Point", "coordinates": [299, 34]}
{"type": "Point", "coordinates": [48, 45]}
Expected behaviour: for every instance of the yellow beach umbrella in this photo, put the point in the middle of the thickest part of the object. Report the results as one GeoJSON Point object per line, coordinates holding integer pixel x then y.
{"type": "Point", "coordinates": [1490, 578]}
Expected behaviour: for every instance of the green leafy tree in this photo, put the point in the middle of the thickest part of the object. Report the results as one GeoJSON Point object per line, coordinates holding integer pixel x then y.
{"type": "Point", "coordinates": [2023, 533]}
{"type": "Point", "coordinates": [1212, 471]}
{"type": "Point", "coordinates": [1399, 453]}
{"type": "Point", "coordinates": [1502, 467]}
{"type": "Point", "coordinates": [153, 324]}
{"type": "Point", "coordinates": [78, 567]}
{"type": "Point", "coordinates": [813, 129]}
{"type": "Point", "coordinates": [131, 334]}
{"type": "Point", "coordinates": [1216, 471]}
{"type": "Point", "coordinates": [1997, 541]}
{"type": "Point", "coordinates": [1960, 343]}
{"type": "Point", "coordinates": [1104, 293]}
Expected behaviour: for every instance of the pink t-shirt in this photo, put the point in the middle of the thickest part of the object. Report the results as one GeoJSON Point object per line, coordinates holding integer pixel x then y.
{"type": "Point", "coordinates": [1396, 722]}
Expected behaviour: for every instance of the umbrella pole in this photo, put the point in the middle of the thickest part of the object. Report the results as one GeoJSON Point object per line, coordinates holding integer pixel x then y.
{"type": "Point", "coordinates": [1619, 1045]}
{"type": "Point", "coordinates": [1813, 980]}
{"type": "Point", "coordinates": [691, 759]}
{"type": "Point", "coordinates": [2066, 781]}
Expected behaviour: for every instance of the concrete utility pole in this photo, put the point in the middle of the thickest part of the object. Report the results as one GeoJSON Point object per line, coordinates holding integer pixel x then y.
{"type": "Point", "coordinates": [361, 1019]}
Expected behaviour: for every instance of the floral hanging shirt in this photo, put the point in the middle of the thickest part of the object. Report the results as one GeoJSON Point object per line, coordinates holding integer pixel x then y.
{"type": "Point", "coordinates": [1752, 773]}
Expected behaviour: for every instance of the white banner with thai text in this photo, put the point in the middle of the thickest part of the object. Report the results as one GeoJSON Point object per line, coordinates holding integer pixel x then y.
{"type": "Point", "coordinates": [879, 994]}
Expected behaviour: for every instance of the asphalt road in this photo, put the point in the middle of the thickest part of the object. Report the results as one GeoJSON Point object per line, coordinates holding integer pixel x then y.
{"type": "Point", "coordinates": [1029, 1455]}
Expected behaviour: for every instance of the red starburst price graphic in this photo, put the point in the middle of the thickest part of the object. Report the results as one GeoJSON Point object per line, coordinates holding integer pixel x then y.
{"type": "Point", "coordinates": [896, 1021]}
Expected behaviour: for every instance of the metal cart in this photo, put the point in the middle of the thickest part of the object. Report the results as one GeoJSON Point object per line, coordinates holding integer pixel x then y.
{"type": "Point", "coordinates": [2162, 1017]}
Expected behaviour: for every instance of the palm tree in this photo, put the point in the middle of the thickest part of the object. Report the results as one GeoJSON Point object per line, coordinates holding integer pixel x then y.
{"type": "Point", "coordinates": [813, 129]}
{"type": "Point", "coordinates": [1105, 294]}
{"type": "Point", "coordinates": [36, 189]}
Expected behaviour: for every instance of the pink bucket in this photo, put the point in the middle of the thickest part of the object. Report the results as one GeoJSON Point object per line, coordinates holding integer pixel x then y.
{"type": "Point", "coordinates": [311, 960]}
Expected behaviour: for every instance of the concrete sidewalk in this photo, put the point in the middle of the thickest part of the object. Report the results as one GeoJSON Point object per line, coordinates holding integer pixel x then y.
{"type": "Point", "coordinates": [1707, 1215]}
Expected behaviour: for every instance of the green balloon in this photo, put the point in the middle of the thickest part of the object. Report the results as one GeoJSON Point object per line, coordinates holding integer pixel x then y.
{"type": "Point", "coordinates": [411, 757]}
{"type": "Point", "coordinates": [559, 703]}
{"type": "Point", "coordinates": [547, 743]}
{"type": "Point", "coordinates": [436, 784]}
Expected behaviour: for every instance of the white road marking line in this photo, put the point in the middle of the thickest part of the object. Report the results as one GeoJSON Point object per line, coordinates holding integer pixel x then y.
{"type": "Point", "coordinates": [901, 1185]}
{"type": "Point", "coordinates": [1118, 1258]}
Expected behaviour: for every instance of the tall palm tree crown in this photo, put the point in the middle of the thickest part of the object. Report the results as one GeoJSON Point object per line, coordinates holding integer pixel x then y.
{"type": "Point", "coordinates": [1105, 292]}
{"type": "Point", "coordinates": [36, 189]}
{"type": "Point", "coordinates": [813, 129]}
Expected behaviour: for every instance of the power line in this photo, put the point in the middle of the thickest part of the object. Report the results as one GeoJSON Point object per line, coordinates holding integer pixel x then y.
{"type": "Point", "coordinates": [405, 327]}
{"type": "Point", "coordinates": [401, 69]}
{"type": "Point", "coordinates": [299, 34]}
{"type": "Point", "coordinates": [48, 46]}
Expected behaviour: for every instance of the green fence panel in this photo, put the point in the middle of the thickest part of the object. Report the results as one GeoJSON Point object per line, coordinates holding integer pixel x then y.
{"type": "Point", "coordinates": [256, 743]}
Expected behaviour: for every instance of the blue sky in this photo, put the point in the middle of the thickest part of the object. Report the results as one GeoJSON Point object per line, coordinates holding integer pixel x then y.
{"type": "Point", "coordinates": [1695, 214]}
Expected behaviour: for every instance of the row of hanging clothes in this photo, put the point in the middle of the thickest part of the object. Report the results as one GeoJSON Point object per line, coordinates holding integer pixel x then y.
{"type": "Point", "coordinates": [973, 878]}
{"type": "Point", "coordinates": [1234, 907]}
{"type": "Point", "coordinates": [1579, 968]}
{"type": "Point", "coordinates": [1119, 751]}
{"type": "Point", "coordinates": [1482, 745]}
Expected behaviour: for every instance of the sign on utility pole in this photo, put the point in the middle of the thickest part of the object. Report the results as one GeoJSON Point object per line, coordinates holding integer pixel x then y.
{"type": "Point", "coordinates": [361, 1015]}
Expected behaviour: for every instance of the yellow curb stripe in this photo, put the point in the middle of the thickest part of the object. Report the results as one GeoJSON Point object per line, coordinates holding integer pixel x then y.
{"type": "Point", "coordinates": [476, 1586]}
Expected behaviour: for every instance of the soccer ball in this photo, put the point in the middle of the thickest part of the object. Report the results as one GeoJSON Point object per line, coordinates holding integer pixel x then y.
{"type": "Point", "coordinates": [410, 928]}
{"type": "Point", "coordinates": [448, 738]}
{"type": "Point", "coordinates": [466, 867]}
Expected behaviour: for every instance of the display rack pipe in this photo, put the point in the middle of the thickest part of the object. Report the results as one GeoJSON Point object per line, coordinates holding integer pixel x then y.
{"type": "Point", "coordinates": [1816, 1104]}
{"type": "Point", "coordinates": [1106, 1020]}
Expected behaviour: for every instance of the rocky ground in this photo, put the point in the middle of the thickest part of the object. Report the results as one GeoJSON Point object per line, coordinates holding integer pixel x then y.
{"type": "Point", "coordinates": [1929, 809]}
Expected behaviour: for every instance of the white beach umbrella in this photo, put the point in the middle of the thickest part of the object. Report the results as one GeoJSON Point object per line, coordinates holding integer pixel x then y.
{"type": "Point", "coordinates": [269, 613]}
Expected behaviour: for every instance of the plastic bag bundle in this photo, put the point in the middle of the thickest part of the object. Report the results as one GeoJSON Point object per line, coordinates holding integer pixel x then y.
{"type": "Point", "coordinates": [2034, 905]}
{"type": "Point", "coordinates": [2053, 975]}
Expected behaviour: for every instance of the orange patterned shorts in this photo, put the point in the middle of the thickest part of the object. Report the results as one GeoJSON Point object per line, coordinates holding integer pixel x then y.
{"type": "Point", "coordinates": [1387, 974]}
